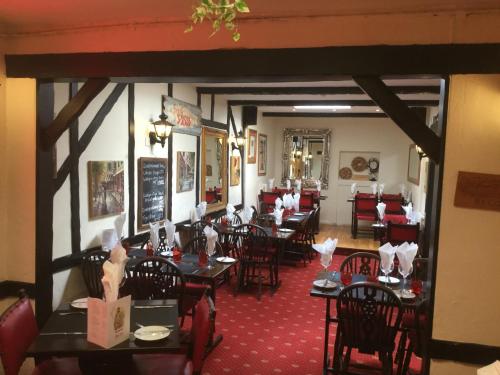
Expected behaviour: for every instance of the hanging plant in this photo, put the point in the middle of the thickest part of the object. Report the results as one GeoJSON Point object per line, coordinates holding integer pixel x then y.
{"type": "Point", "coordinates": [219, 13]}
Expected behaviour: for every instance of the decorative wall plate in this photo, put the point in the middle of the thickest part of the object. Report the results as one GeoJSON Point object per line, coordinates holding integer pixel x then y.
{"type": "Point", "coordinates": [373, 164]}
{"type": "Point", "coordinates": [359, 164]}
{"type": "Point", "coordinates": [345, 173]}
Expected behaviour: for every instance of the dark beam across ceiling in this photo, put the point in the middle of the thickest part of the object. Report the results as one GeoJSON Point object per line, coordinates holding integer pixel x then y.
{"type": "Point", "coordinates": [353, 103]}
{"type": "Point", "coordinates": [335, 90]}
{"type": "Point", "coordinates": [324, 114]}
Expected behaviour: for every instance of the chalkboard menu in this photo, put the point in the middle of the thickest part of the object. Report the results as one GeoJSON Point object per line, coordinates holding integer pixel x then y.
{"type": "Point", "coordinates": [152, 182]}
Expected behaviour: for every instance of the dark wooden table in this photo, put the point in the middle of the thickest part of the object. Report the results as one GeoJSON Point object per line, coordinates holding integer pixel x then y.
{"type": "Point", "coordinates": [334, 293]}
{"type": "Point", "coordinates": [65, 335]}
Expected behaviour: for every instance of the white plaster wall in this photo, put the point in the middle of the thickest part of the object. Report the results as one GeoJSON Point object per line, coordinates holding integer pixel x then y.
{"type": "Point", "coordinates": [349, 134]}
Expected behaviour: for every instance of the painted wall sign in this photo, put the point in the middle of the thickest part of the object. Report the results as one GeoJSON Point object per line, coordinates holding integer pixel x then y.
{"type": "Point", "coordinates": [478, 190]}
{"type": "Point", "coordinates": [186, 117]}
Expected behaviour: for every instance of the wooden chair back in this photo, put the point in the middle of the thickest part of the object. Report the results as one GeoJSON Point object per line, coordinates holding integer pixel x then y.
{"type": "Point", "coordinates": [92, 272]}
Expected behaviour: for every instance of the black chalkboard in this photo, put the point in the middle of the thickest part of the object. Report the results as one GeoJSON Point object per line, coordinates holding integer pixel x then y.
{"type": "Point", "coordinates": [152, 183]}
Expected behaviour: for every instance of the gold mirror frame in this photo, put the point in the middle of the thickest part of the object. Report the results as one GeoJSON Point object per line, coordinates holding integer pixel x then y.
{"type": "Point", "coordinates": [220, 134]}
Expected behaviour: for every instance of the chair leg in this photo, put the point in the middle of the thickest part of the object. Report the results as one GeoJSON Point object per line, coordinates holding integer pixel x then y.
{"type": "Point", "coordinates": [406, 360]}
{"type": "Point", "coordinates": [401, 347]}
{"type": "Point", "coordinates": [259, 293]}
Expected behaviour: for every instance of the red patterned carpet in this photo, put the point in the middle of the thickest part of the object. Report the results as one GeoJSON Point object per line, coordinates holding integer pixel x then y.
{"type": "Point", "coordinates": [281, 334]}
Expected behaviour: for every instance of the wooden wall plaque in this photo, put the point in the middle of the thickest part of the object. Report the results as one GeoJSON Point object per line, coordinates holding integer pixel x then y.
{"type": "Point", "coordinates": [478, 190]}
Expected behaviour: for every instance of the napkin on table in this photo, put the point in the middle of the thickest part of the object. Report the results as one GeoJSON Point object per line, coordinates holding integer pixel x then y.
{"type": "Point", "coordinates": [119, 222]}
{"type": "Point", "coordinates": [354, 186]}
{"type": "Point", "coordinates": [193, 215]}
{"type": "Point", "coordinates": [247, 214]}
{"type": "Point", "coordinates": [387, 252]}
{"type": "Point", "coordinates": [296, 202]}
{"type": "Point", "coordinates": [201, 209]}
{"type": "Point", "coordinates": [278, 203]}
{"type": "Point", "coordinates": [288, 184]}
{"type": "Point", "coordinates": [114, 270]}
{"type": "Point", "coordinates": [408, 210]}
{"type": "Point", "coordinates": [230, 211]}
{"type": "Point", "coordinates": [170, 232]}
{"type": "Point", "coordinates": [177, 239]}
{"type": "Point", "coordinates": [154, 236]}
{"type": "Point", "coordinates": [406, 252]}
{"type": "Point", "coordinates": [288, 201]}
{"type": "Point", "coordinates": [381, 210]}
{"type": "Point", "coordinates": [108, 239]}
{"type": "Point", "coordinates": [278, 215]}
{"type": "Point", "coordinates": [374, 188]}
{"type": "Point", "coordinates": [326, 248]}
{"type": "Point", "coordinates": [211, 235]}
{"type": "Point", "coordinates": [271, 184]}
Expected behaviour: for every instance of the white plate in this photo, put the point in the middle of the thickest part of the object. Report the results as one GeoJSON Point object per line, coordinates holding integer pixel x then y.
{"type": "Point", "coordinates": [167, 253]}
{"type": "Point", "coordinates": [408, 295]}
{"type": "Point", "coordinates": [285, 230]}
{"type": "Point", "coordinates": [226, 259]}
{"type": "Point", "coordinates": [299, 214]}
{"type": "Point", "coordinates": [152, 333]}
{"type": "Point", "coordinates": [293, 219]}
{"type": "Point", "coordinates": [321, 284]}
{"type": "Point", "coordinates": [392, 280]}
{"type": "Point", "coordinates": [80, 303]}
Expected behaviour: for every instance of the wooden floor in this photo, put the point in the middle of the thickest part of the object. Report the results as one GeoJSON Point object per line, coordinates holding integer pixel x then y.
{"type": "Point", "coordinates": [345, 241]}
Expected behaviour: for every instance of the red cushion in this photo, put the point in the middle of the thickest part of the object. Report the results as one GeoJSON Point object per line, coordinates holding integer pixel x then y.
{"type": "Point", "coordinates": [368, 217]}
{"type": "Point", "coordinates": [200, 333]}
{"type": "Point", "coordinates": [58, 366]}
{"type": "Point", "coordinates": [396, 219]}
{"type": "Point", "coordinates": [269, 198]}
{"type": "Point", "coordinates": [167, 364]}
{"type": "Point", "coordinates": [306, 201]}
{"type": "Point", "coordinates": [18, 329]}
{"type": "Point", "coordinates": [196, 289]}
{"type": "Point", "coordinates": [210, 196]}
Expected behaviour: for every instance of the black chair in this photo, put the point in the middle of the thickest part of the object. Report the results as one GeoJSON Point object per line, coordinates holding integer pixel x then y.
{"type": "Point", "coordinates": [369, 316]}
{"type": "Point", "coordinates": [92, 271]}
{"type": "Point", "coordinates": [302, 240]}
{"type": "Point", "coordinates": [362, 263]}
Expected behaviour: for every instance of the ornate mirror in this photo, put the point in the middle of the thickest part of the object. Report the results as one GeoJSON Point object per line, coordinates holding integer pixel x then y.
{"type": "Point", "coordinates": [214, 168]}
{"type": "Point", "coordinates": [306, 156]}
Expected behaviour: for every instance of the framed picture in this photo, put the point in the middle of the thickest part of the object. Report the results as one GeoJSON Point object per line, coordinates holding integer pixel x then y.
{"type": "Point", "coordinates": [185, 171]}
{"type": "Point", "coordinates": [262, 150]}
{"type": "Point", "coordinates": [235, 171]}
{"type": "Point", "coordinates": [252, 146]}
{"type": "Point", "coordinates": [413, 165]}
{"type": "Point", "coordinates": [106, 195]}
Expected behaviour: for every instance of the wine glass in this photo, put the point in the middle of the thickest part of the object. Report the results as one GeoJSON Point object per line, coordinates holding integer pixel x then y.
{"type": "Point", "coordinates": [404, 291]}
{"type": "Point", "coordinates": [387, 269]}
{"type": "Point", "coordinates": [210, 253]}
{"type": "Point", "coordinates": [326, 261]}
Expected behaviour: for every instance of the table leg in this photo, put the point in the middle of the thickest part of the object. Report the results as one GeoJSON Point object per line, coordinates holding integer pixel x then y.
{"type": "Point", "coordinates": [327, 334]}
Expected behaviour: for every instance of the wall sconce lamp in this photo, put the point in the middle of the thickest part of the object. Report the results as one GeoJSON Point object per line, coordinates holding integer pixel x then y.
{"type": "Point", "coordinates": [161, 128]}
{"type": "Point", "coordinates": [420, 152]}
{"type": "Point", "coordinates": [240, 138]}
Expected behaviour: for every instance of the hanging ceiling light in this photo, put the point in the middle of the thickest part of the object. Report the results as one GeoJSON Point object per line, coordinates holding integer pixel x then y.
{"type": "Point", "coordinates": [161, 128]}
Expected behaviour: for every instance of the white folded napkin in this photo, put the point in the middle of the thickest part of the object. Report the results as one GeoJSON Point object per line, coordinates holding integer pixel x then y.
{"type": "Point", "coordinates": [114, 270]}
{"type": "Point", "coordinates": [381, 210]}
{"type": "Point", "coordinates": [278, 214]}
{"type": "Point", "coordinates": [374, 188]}
{"type": "Point", "coordinates": [387, 252]}
{"type": "Point", "coordinates": [271, 184]}
{"type": "Point", "coordinates": [381, 189]}
{"type": "Point", "coordinates": [170, 232]}
{"type": "Point", "coordinates": [247, 214]}
{"type": "Point", "coordinates": [109, 239]}
{"type": "Point", "coordinates": [177, 238]}
{"type": "Point", "coordinates": [493, 369]}
{"type": "Point", "coordinates": [354, 186]}
{"type": "Point", "coordinates": [211, 235]}
{"type": "Point", "coordinates": [193, 215]}
{"type": "Point", "coordinates": [298, 185]}
{"type": "Point", "coordinates": [406, 252]}
{"type": "Point", "coordinates": [408, 210]}
{"type": "Point", "coordinates": [318, 185]}
{"type": "Point", "coordinates": [326, 248]}
{"type": "Point", "coordinates": [201, 209]}
{"type": "Point", "coordinates": [296, 202]}
{"type": "Point", "coordinates": [154, 236]}
{"type": "Point", "coordinates": [288, 201]}
{"type": "Point", "coordinates": [230, 211]}
{"type": "Point", "coordinates": [288, 184]}
{"type": "Point", "coordinates": [119, 222]}
{"type": "Point", "coordinates": [278, 203]}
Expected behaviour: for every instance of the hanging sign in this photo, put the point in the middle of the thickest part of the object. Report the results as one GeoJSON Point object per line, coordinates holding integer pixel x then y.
{"type": "Point", "coordinates": [186, 117]}
{"type": "Point", "coordinates": [478, 190]}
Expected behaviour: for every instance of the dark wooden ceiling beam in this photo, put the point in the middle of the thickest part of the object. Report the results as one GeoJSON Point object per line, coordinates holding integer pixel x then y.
{"type": "Point", "coordinates": [298, 90]}
{"type": "Point", "coordinates": [71, 111]}
{"type": "Point", "coordinates": [353, 103]}
{"type": "Point", "coordinates": [403, 116]}
{"type": "Point", "coordinates": [323, 114]}
{"type": "Point", "coordinates": [263, 65]}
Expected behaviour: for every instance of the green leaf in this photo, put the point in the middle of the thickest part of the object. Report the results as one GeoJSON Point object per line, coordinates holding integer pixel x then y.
{"type": "Point", "coordinates": [189, 29]}
{"type": "Point", "coordinates": [241, 6]}
{"type": "Point", "coordinates": [236, 36]}
{"type": "Point", "coordinates": [230, 26]}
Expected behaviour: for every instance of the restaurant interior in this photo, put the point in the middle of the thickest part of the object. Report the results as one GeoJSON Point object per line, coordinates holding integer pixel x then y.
{"type": "Point", "coordinates": [250, 223]}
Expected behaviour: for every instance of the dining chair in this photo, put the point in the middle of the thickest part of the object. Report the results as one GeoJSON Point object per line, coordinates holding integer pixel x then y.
{"type": "Point", "coordinates": [255, 252]}
{"type": "Point", "coordinates": [92, 272]}
{"type": "Point", "coordinates": [365, 209]}
{"type": "Point", "coordinates": [267, 200]}
{"type": "Point", "coordinates": [18, 329]}
{"type": "Point", "coordinates": [182, 364]}
{"type": "Point", "coordinates": [302, 240]}
{"type": "Point", "coordinates": [210, 196]}
{"type": "Point", "coordinates": [369, 316]}
{"type": "Point", "coordinates": [362, 263]}
{"type": "Point", "coordinates": [306, 202]}
{"type": "Point", "coordinates": [397, 234]}
{"type": "Point", "coordinates": [393, 203]}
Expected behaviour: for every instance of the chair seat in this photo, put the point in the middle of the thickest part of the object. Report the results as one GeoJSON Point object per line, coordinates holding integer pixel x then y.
{"type": "Point", "coordinates": [165, 364]}
{"type": "Point", "coordinates": [56, 366]}
{"type": "Point", "coordinates": [368, 217]}
{"type": "Point", "coordinates": [196, 289]}
{"type": "Point", "coordinates": [396, 219]}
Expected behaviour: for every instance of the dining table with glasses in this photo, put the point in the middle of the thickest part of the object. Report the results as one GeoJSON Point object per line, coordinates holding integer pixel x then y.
{"type": "Point", "coordinates": [335, 283]}
{"type": "Point", "coordinates": [65, 335]}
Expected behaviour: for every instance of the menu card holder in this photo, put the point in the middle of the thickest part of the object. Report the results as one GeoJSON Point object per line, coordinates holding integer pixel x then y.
{"type": "Point", "coordinates": [108, 323]}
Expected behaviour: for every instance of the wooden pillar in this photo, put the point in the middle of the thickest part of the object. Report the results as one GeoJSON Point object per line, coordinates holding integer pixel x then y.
{"type": "Point", "coordinates": [74, 178]}
{"type": "Point", "coordinates": [131, 159]}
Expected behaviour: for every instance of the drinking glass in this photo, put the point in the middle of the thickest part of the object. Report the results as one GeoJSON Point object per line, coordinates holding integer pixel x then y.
{"type": "Point", "coordinates": [209, 256]}
{"type": "Point", "coordinates": [346, 278]}
{"type": "Point", "coordinates": [326, 261]}
{"type": "Point", "coordinates": [404, 291]}
{"type": "Point", "coordinates": [388, 270]}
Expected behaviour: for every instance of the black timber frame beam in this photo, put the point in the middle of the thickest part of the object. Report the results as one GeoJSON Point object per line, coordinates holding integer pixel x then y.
{"type": "Point", "coordinates": [353, 103]}
{"type": "Point", "coordinates": [403, 116]}
{"type": "Point", "coordinates": [74, 178]}
{"type": "Point", "coordinates": [313, 90]}
{"type": "Point", "coordinates": [325, 114]}
{"type": "Point", "coordinates": [70, 112]}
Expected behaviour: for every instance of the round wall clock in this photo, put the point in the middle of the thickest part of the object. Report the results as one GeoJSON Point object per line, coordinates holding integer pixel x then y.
{"type": "Point", "coordinates": [359, 164]}
{"type": "Point", "coordinates": [345, 173]}
{"type": "Point", "coordinates": [373, 164]}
